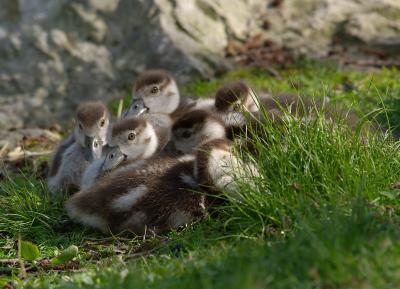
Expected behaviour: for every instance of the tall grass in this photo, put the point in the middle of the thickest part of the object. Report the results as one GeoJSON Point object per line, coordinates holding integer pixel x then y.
{"type": "Point", "coordinates": [311, 169]}
{"type": "Point", "coordinates": [26, 208]}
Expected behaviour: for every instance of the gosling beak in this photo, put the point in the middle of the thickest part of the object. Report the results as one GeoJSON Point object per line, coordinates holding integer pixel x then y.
{"type": "Point", "coordinates": [143, 110]}
{"type": "Point", "coordinates": [93, 148]}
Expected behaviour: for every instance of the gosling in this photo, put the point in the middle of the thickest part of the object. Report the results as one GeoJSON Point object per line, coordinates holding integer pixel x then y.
{"type": "Point", "coordinates": [80, 148]}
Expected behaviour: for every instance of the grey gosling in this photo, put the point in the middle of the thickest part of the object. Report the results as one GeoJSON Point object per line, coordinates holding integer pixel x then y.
{"type": "Point", "coordinates": [84, 145]}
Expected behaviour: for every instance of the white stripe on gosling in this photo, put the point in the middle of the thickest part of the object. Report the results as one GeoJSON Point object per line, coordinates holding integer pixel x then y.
{"type": "Point", "coordinates": [125, 202]}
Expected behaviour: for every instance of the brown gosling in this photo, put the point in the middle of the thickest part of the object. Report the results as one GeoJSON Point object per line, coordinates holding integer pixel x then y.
{"type": "Point", "coordinates": [159, 196]}
{"type": "Point", "coordinates": [196, 127]}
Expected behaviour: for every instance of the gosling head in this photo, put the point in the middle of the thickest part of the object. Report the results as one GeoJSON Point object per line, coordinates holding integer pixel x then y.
{"type": "Point", "coordinates": [231, 101]}
{"type": "Point", "coordinates": [196, 127]}
{"type": "Point", "coordinates": [158, 90]}
{"type": "Point", "coordinates": [136, 108]}
{"type": "Point", "coordinates": [135, 137]}
{"type": "Point", "coordinates": [92, 121]}
{"type": "Point", "coordinates": [210, 160]}
{"type": "Point", "coordinates": [113, 159]}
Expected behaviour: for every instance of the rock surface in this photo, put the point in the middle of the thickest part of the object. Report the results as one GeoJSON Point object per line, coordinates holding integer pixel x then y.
{"type": "Point", "coordinates": [311, 27]}
{"type": "Point", "coordinates": [56, 53]}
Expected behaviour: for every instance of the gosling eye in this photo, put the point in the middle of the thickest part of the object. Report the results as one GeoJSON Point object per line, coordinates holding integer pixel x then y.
{"type": "Point", "coordinates": [236, 107]}
{"type": "Point", "coordinates": [131, 136]}
{"type": "Point", "coordinates": [154, 90]}
{"type": "Point", "coordinates": [186, 134]}
{"type": "Point", "coordinates": [102, 122]}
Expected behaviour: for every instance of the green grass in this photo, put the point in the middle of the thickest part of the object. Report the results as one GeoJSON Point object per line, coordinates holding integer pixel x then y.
{"type": "Point", "coordinates": [322, 215]}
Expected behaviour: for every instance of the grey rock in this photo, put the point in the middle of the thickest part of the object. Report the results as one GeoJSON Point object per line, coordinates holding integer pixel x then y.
{"type": "Point", "coordinates": [311, 26]}
{"type": "Point", "coordinates": [57, 53]}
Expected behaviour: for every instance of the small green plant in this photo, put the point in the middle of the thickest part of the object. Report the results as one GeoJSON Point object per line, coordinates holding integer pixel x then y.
{"type": "Point", "coordinates": [67, 255]}
{"type": "Point", "coordinates": [29, 251]}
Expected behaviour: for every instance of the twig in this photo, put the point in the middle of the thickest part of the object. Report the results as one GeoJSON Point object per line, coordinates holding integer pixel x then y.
{"type": "Point", "coordinates": [21, 154]}
{"type": "Point", "coordinates": [21, 263]}
{"type": "Point", "coordinates": [9, 261]}
{"type": "Point", "coordinates": [120, 106]}
{"type": "Point", "coordinates": [145, 232]}
{"type": "Point", "coordinates": [140, 254]}
{"type": "Point", "coordinates": [52, 135]}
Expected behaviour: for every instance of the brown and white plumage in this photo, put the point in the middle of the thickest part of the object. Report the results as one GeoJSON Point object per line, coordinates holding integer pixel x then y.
{"type": "Point", "coordinates": [196, 127]}
{"type": "Point", "coordinates": [158, 196]}
{"type": "Point", "coordinates": [235, 99]}
{"type": "Point", "coordinates": [163, 194]}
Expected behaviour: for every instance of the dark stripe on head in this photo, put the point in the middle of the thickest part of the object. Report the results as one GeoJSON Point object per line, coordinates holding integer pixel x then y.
{"type": "Point", "coordinates": [149, 77]}
{"type": "Point", "coordinates": [191, 118]}
{"type": "Point", "coordinates": [230, 93]}
{"type": "Point", "coordinates": [127, 124]}
{"type": "Point", "coordinates": [89, 113]}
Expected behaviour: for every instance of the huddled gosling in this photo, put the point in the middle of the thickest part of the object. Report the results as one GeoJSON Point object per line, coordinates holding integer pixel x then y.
{"type": "Point", "coordinates": [84, 145]}
{"type": "Point", "coordinates": [235, 98]}
{"type": "Point", "coordinates": [160, 95]}
{"type": "Point", "coordinates": [196, 127]}
{"type": "Point", "coordinates": [131, 139]}
{"type": "Point", "coordinates": [163, 194]}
